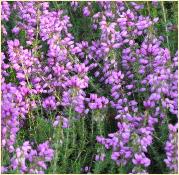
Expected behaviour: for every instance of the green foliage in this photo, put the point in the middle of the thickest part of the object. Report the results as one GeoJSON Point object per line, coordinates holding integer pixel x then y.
{"type": "Point", "coordinates": [22, 37]}
{"type": "Point", "coordinates": [12, 76]}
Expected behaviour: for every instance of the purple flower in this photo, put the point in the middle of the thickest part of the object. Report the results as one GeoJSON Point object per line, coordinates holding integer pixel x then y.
{"type": "Point", "coordinates": [140, 159]}
{"type": "Point", "coordinates": [50, 103]}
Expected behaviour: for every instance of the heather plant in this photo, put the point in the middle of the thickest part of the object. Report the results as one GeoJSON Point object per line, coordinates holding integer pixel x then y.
{"type": "Point", "coordinates": [89, 87]}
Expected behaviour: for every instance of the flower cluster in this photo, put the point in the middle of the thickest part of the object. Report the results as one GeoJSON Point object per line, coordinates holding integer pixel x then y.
{"type": "Point", "coordinates": [61, 120]}
{"type": "Point", "coordinates": [37, 158]}
{"type": "Point", "coordinates": [5, 9]}
{"type": "Point", "coordinates": [97, 103]}
{"type": "Point", "coordinates": [15, 106]}
{"type": "Point", "coordinates": [171, 148]}
{"type": "Point", "coordinates": [5, 13]}
{"type": "Point", "coordinates": [29, 13]}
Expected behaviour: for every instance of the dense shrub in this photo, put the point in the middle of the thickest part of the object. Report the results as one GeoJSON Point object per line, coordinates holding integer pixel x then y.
{"type": "Point", "coordinates": [89, 87]}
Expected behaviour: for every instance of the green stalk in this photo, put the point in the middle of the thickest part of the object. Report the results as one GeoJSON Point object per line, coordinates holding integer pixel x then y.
{"type": "Point", "coordinates": [92, 125]}
{"type": "Point", "coordinates": [165, 20]}
{"type": "Point", "coordinates": [56, 136]}
{"type": "Point", "coordinates": [67, 142]}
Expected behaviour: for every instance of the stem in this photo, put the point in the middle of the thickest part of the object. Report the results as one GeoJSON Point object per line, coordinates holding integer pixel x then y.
{"type": "Point", "coordinates": [150, 28]}
{"type": "Point", "coordinates": [73, 126]}
{"type": "Point", "coordinates": [67, 141]}
{"type": "Point", "coordinates": [92, 123]}
{"type": "Point", "coordinates": [56, 137]}
{"type": "Point", "coordinates": [37, 30]}
{"type": "Point", "coordinates": [165, 20]}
